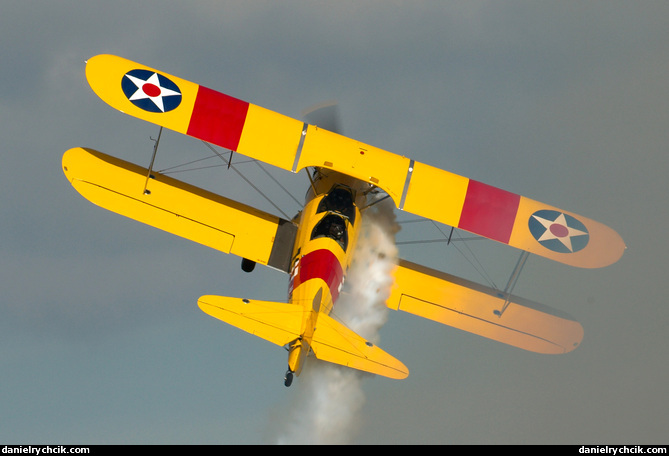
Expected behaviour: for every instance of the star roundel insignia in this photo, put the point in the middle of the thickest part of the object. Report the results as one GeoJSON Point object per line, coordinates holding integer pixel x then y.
{"type": "Point", "coordinates": [558, 231]}
{"type": "Point", "coordinates": [150, 91]}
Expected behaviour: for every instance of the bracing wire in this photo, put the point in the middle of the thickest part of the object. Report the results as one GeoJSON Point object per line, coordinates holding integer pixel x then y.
{"type": "Point", "coordinates": [276, 181]}
{"type": "Point", "coordinates": [227, 163]}
{"type": "Point", "coordinates": [175, 169]}
{"type": "Point", "coordinates": [471, 258]}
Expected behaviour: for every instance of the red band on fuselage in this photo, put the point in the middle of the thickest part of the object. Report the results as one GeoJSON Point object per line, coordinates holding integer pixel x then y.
{"type": "Point", "coordinates": [319, 264]}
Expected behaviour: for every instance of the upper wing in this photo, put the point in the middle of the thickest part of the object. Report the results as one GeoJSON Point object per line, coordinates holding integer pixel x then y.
{"type": "Point", "coordinates": [180, 208]}
{"type": "Point", "coordinates": [291, 144]}
{"type": "Point", "coordinates": [484, 311]}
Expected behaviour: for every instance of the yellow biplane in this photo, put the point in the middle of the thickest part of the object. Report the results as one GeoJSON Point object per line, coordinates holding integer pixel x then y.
{"type": "Point", "coordinates": [315, 247]}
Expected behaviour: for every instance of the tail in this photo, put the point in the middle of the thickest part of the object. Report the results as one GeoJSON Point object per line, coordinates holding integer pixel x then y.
{"type": "Point", "coordinates": [335, 343]}
{"type": "Point", "coordinates": [282, 324]}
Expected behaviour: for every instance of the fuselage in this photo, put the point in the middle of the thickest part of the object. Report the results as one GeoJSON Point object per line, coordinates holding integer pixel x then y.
{"type": "Point", "coordinates": [328, 230]}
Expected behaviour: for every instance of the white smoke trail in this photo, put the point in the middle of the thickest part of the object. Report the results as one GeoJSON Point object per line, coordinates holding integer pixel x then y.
{"type": "Point", "coordinates": [331, 396]}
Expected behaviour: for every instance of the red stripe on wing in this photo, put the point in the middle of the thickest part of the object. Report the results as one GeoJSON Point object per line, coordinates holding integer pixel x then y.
{"type": "Point", "coordinates": [489, 211]}
{"type": "Point", "coordinates": [218, 118]}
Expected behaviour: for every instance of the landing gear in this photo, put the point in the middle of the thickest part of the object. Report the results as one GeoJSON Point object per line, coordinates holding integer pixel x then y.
{"type": "Point", "coordinates": [248, 265]}
{"type": "Point", "coordinates": [297, 352]}
{"type": "Point", "coordinates": [288, 378]}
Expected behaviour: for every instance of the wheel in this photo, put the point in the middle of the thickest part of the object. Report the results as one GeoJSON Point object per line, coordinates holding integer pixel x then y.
{"type": "Point", "coordinates": [248, 265]}
{"type": "Point", "coordinates": [288, 378]}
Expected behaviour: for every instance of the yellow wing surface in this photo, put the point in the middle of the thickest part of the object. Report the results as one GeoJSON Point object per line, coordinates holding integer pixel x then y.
{"type": "Point", "coordinates": [484, 311]}
{"type": "Point", "coordinates": [180, 208]}
{"type": "Point", "coordinates": [290, 144]}
{"type": "Point", "coordinates": [282, 323]}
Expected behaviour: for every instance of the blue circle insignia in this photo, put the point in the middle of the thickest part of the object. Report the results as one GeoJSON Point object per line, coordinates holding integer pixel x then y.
{"type": "Point", "coordinates": [151, 91]}
{"type": "Point", "coordinates": [558, 231]}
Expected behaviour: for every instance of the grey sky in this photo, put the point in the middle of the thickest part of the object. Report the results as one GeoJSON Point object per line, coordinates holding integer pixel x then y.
{"type": "Point", "coordinates": [101, 340]}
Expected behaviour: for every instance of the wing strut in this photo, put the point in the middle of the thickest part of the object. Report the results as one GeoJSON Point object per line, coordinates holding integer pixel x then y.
{"type": "Point", "coordinates": [512, 282]}
{"type": "Point", "coordinates": [153, 158]}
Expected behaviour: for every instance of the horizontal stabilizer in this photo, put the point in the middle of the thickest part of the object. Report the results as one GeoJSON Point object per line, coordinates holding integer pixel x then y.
{"type": "Point", "coordinates": [276, 322]}
{"type": "Point", "coordinates": [335, 343]}
{"type": "Point", "coordinates": [282, 323]}
{"type": "Point", "coordinates": [484, 311]}
{"type": "Point", "coordinates": [180, 208]}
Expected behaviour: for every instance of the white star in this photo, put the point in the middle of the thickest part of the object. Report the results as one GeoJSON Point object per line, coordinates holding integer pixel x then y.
{"type": "Point", "coordinates": [558, 229]}
{"type": "Point", "coordinates": [150, 89]}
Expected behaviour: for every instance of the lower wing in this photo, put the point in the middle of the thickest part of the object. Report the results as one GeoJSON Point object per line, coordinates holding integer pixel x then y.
{"type": "Point", "coordinates": [180, 208]}
{"type": "Point", "coordinates": [484, 311]}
